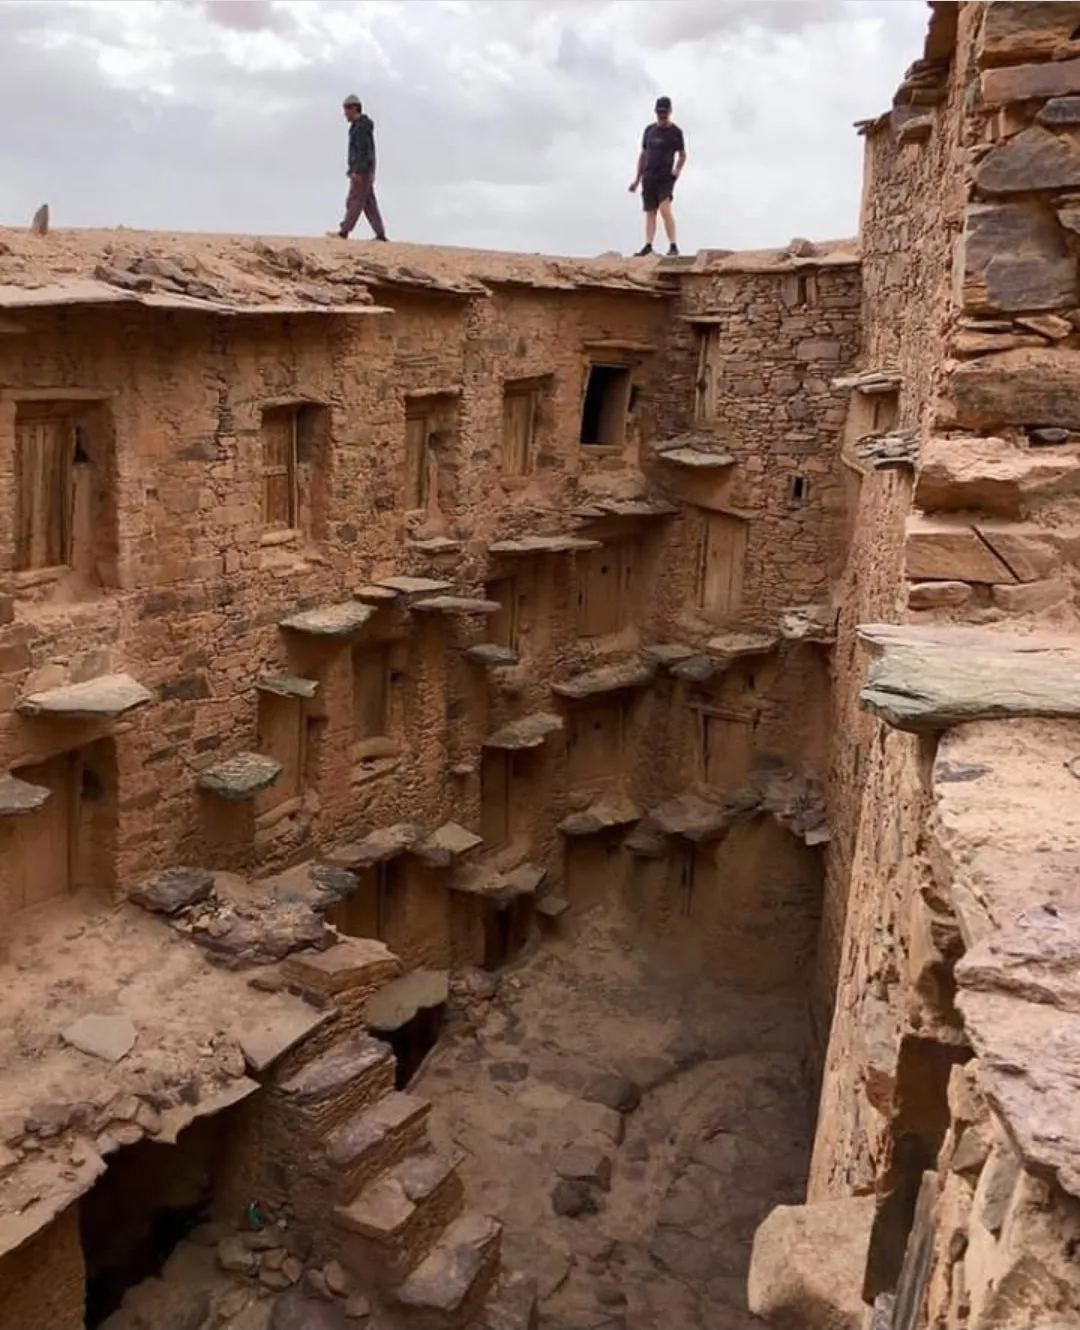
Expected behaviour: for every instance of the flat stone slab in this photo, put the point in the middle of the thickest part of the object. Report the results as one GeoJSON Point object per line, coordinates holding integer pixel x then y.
{"type": "Point", "coordinates": [414, 586]}
{"type": "Point", "coordinates": [667, 654]}
{"type": "Point", "coordinates": [551, 905]}
{"type": "Point", "coordinates": [100, 1036]}
{"type": "Point", "coordinates": [543, 545]}
{"type": "Point", "coordinates": [287, 685]}
{"type": "Point", "coordinates": [399, 1001]}
{"type": "Point", "coordinates": [692, 817]}
{"type": "Point", "coordinates": [613, 811]}
{"type": "Point", "coordinates": [697, 668]}
{"type": "Point", "coordinates": [933, 678]}
{"type": "Point", "coordinates": [379, 595]}
{"type": "Point", "coordinates": [104, 698]}
{"type": "Point", "coordinates": [491, 655]}
{"type": "Point", "coordinates": [809, 623]}
{"type": "Point", "coordinates": [456, 605]}
{"type": "Point", "coordinates": [330, 620]}
{"type": "Point", "coordinates": [528, 732]}
{"type": "Point", "coordinates": [499, 887]}
{"type": "Point", "coordinates": [693, 450]}
{"type": "Point", "coordinates": [733, 646]}
{"type": "Point", "coordinates": [173, 890]}
{"type": "Point", "coordinates": [445, 844]}
{"type": "Point", "coordinates": [608, 679]}
{"type": "Point", "coordinates": [240, 777]}
{"type": "Point", "coordinates": [382, 844]}
{"type": "Point", "coordinates": [268, 1037]}
{"type": "Point", "coordinates": [626, 508]}
{"type": "Point", "coordinates": [20, 796]}
{"type": "Point", "coordinates": [444, 1278]}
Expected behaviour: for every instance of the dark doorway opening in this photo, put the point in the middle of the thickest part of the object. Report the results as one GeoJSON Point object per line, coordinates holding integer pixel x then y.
{"type": "Point", "coordinates": [147, 1201]}
{"type": "Point", "coordinates": [412, 1041]}
{"type": "Point", "coordinates": [506, 931]}
{"type": "Point", "coordinates": [607, 402]}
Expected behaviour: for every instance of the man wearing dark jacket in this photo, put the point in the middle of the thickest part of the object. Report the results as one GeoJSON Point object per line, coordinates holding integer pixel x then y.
{"type": "Point", "coordinates": [361, 172]}
{"type": "Point", "coordinates": [660, 163]}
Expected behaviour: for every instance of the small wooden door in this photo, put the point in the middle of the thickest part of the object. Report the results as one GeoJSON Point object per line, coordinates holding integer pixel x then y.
{"type": "Point", "coordinates": [281, 731]}
{"type": "Point", "coordinates": [727, 749]}
{"type": "Point", "coordinates": [496, 777]}
{"type": "Point", "coordinates": [44, 453]}
{"type": "Point", "coordinates": [596, 743]}
{"type": "Point", "coordinates": [519, 423]}
{"type": "Point", "coordinates": [723, 557]}
{"type": "Point", "coordinates": [416, 461]}
{"type": "Point", "coordinates": [591, 869]}
{"type": "Point", "coordinates": [43, 846]}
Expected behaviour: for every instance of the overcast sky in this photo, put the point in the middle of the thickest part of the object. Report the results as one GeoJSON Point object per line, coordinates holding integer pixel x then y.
{"type": "Point", "coordinates": [512, 124]}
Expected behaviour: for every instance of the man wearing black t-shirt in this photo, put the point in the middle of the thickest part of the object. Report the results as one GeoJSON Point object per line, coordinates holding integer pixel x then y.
{"type": "Point", "coordinates": [660, 163]}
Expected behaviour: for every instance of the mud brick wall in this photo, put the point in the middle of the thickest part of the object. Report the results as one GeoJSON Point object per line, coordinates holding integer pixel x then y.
{"type": "Point", "coordinates": [41, 1282]}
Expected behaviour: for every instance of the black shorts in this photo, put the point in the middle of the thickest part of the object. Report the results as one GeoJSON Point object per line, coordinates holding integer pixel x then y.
{"type": "Point", "coordinates": [655, 189]}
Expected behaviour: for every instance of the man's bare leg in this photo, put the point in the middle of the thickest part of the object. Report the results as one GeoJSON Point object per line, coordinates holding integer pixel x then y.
{"type": "Point", "coordinates": [650, 232]}
{"type": "Point", "coordinates": [668, 218]}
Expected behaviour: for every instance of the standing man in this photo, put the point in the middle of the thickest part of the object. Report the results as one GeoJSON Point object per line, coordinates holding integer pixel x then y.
{"type": "Point", "coordinates": [361, 172]}
{"type": "Point", "coordinates": [660, 163]}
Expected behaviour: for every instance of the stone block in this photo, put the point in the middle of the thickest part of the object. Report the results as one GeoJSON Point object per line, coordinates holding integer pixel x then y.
{"type": "Point", "coordinates": [991, 475]}
{"type": "Point", "coordinates": [1032, 160]}
{"type": "Point", "coordinates": [173, 890]}
{"type": "Point", "coordinates": [20, 796]}
{"type": "Point", "coordinates": [807, 1263]}
{"type": "Point", "coordinates": [1025, 83]}
{"type": "Point", "coordinates": [1015, 257]}
{"type": "Point", "coordinates": [1029, 552]}
{"type": "Point", "coordinates": [950, 551]}
{"type": "Point", "coordinates": [1027, 387]}
{"type": "Point", "coordinates": [938, 595]}
{"type": "Point", "coordinates": [240, 777]}
{"type": "Point", "coordinates": [1031, 597]}
{"type": "Point", "coordinates": [109, 1037]}
{"type": "Point", "coordinates": [1021, 30]}
{"type": "Point", "coordinates": [1060, 111]}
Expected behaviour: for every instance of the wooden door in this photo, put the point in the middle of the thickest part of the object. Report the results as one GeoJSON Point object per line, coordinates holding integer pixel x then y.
{"type": "Point", "coordinates": [591, 869]}
{"type": "Point", "coordinates": [44, 449]}
{"type": "Point", "coordinates": [599, 602]}
{"type": "Point", "coordinates": [596, 743]}
{"type": "Point", "coordinates": [416, 461]}
{"type": "Point", "coordinates": [41, 856]}
{"type": "Point", "coordinates": [519, 421]}
{"type": "Point", "coordinates": [727, 745]}
{"type": "Point", "coordinates": [371, 693]}
{"type": "Point", "coordinates": [281, 732]}
{"type": "Point", "coordinates": [723, 557]}
{"type": "Point", "coordinates": [496, 770]}
{"type": "Point", "coordinates": [503, 626]}
{"type": "Point", "coordinates": [280, 500]}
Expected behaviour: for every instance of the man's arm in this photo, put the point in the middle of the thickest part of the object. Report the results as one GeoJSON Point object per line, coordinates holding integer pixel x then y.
{"type": "Point", "coordinates": [640, 164]}
{"type": "Point", "coordinates": [680, 160]}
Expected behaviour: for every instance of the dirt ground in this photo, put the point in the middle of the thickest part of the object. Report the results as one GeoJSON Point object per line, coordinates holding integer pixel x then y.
{"type": "Point", "coordinates": [719, 1134]}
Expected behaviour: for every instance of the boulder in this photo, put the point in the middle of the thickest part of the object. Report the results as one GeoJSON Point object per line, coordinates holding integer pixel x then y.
{"type": "Point", "coordinates": [173, 890]}
{"type": "Point", "coordinates": [574, 1199]}
{"type": "Point", "coordinates": [990, 475]}
{"type": "Point", "coordinates": [1025, 387]}
{"type": "Point", "coordinates": [807, 1265]}
{"type": "Point", "coordinates": [614, 1091]}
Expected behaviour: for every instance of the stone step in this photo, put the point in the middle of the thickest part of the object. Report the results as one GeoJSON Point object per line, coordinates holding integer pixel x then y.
{"type": "Point", "coordinates": [449, 1286]}
{"type": "Point", "coordinates": [350, 1076]}
{"type": "Point", "coordinates": [390, 1227]}
{"type": "Point", "coordinates": [375, 1139]}
{"type": "Point", "coordinates": [511, 1304]}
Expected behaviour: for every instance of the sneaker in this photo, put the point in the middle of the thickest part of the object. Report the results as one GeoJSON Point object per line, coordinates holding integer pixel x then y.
{"type": "Point", "coordinates": [673, 251]}
{"type": "Point", "coordinates": [380, 237]}
{"type": "Point", "coordinates": [337, 235]}
{"type": "Point", "coordinates": [643, 252]}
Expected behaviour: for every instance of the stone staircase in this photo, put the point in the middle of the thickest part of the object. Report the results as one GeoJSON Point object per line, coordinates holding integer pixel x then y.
{"type": "Point", "coordinates": [371, 1187]}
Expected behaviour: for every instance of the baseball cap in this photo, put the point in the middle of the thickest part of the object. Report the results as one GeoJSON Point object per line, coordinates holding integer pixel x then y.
{"type": "Point", "coordinates": [663, 103]}
{"type": "Point", "coordinates": [351, 100]}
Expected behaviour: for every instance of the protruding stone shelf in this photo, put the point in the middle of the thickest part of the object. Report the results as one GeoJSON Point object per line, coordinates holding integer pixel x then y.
{"type": "Point", "coordinates": [607, 679]}
{"type": "Point", "coordinates": [809, 623]}
{"type": "Point", "coordinates": [287, 685]}
{"type": "Point", "coordinates": [927, 679]}
{"type": "Point", "coordinates": [376, 595]}
{"type": "Point", "coordinates": [871, 381]}
{"type": "Point", "coordinates": [600, 508]}
{"type": "Point", "coordinates": [491, 655]}
{"type": "Point", "coordinates": [697, 668]}
{"type": "Point", "coordinates": [456, 605]}
{"type": "Point", "coordinates": [796, 802]}
{"type": "Point", "coordinates": [693, 818]}
{"type": "Point", "coordinates": [733, 646]}
{"type": "Point", "coordinates": [616, 344]}
{"type": "Point", "coordinates": [445, 844]}
{"type": "Point", "coordinates": [898, 451]}
{"type": "Point", "coordinates": [499, 887]}
{"type": "Point", "coordinates": [104, 698]}
{"type": "Point", "coordinates": [20, 796]}
{"type": "Point", "coordinates": [399, 1001]}
{"type": "Point", "coordinates": [551, 905]}
{"type": "Point", "coordinates": [435, 545]}
{"type": "Point", "coordinates": [698, 451]}
{"type": "Point", "coordinates": [528, 732]}
{"type": "Point", "coordinates": [380, 845]}
{"type": "Point", "coordinates": [667, 654]}
{"type": "Point", "coordinates": [240, 777]}
{"type": "Point", "coordinates": [414, 586]}
{"type": "Point", "coordinates": [543, 545]}
{"type": "Point", "coordinates": [331, 620]}
{"type": "Point", "coordinates": [613, 811]}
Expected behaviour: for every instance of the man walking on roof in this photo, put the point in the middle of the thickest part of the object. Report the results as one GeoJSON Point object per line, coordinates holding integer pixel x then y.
{"type": "Point", "coordinates": [361, 172]}
{"type": "Point", "coordinates": [660, 163]}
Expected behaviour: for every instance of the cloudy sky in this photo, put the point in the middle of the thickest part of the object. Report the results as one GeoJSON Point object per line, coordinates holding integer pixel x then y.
{"type": "Point", "coordinates": [512, 123]}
